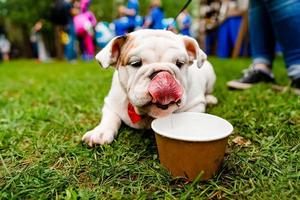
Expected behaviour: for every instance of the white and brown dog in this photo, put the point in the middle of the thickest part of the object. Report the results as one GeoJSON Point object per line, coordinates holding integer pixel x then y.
{"type": "Point", "coordinates": [158, 73]}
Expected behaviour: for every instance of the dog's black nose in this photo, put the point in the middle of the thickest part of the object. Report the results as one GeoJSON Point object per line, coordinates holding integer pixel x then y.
{"type": "Point", "coordinates": [154, 74]}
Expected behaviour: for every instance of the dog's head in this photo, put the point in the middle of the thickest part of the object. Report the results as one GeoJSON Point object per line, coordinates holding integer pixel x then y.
{"type": "Point", "coordinates": [152, 68]}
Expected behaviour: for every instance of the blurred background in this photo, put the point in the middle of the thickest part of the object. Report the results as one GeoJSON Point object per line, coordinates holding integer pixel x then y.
{"type": "Point", "coordinates": [76, 29]}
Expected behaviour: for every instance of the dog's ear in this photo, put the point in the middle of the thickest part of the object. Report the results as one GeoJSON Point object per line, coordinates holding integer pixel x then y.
{"type": "Point", "coordinates": [194, 51]}
{"type": "Point", "coordinates": [109, 55]}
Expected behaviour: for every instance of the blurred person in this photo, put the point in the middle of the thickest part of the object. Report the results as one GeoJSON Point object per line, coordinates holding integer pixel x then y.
{"type": "Point", "coordinates": [209, 12]}
{"type": "Point", "coordinates": [33, 42]}
{"type": "Point", "coordinates": [184, 23]}
{"type": "Point", "coordinates": [154, 20]}
{"type": "Point", "coordinates": [1, 32]}
{"type": "Point", "coordinates": [126, 22]}
{"type": "Point", "coordinates": [84, 5]}
{"type": "Point", "coordinates": [84, 24]}
{"type": "Point", "coordinates": [69, 48]}
{"type": "Point", "coordinates": [229, 20]}
{"type": "Point", "coordinates": [36, 39]}
{"type": "Point", "coordinates": [121, 23]}
{"type": "Point", "coordinates": [61, 14]}
{"type": "Point", "coordinates": [268, 21]}
{"type": "Point", "coordinates": [5, 47]}
{"type": "Point", "coordinates": [131, 11]}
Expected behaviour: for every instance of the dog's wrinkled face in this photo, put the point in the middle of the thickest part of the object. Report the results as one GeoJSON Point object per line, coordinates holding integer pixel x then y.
{"type": "Point", "coordinates": [151, 66]}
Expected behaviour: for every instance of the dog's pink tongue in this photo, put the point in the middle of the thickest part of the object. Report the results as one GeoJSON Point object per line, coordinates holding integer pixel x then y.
{"type": "Point", "coordinates": [164, 89]}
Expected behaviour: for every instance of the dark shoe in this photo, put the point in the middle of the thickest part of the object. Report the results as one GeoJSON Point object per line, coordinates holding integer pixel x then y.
{"type": "Point", "coordinates": [296, 85]}
{"type": "Point", "coordinates": [250, 77]}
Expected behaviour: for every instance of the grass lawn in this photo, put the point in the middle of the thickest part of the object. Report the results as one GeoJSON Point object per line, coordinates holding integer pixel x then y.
{"type": "Point", "coordinates": [46, 108]}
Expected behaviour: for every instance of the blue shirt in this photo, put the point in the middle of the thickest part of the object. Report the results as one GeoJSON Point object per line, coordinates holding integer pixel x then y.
{"type": "Point", "coordinates": [187, 22]}
{"type": "Point", "coordinates": [132, 4]}
{"type": "Point", "coordinates": [121, 26]}
{"type": "Point", "coordinates": [156, 16]}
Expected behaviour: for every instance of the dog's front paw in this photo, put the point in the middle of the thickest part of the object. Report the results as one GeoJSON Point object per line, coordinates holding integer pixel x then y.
{"type": "Point", "coordinates": [98, 136]}
{"type": "Point", "coordinates": [210, 99]}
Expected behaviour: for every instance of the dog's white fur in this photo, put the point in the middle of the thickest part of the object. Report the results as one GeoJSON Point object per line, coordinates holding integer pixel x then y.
{"type": "Point", "coordinates": [158, 50]}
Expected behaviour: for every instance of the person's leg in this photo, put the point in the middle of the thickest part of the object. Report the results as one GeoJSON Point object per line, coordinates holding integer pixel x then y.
{"type": "Point", "coordinates": [210, 40]}
{"type": "Point", "coordinates": [72, 35]}
{"type": "Point", "coordinates": [223, 44]}
{"type": "Point", "coordinates": [262, 41]}
{"type": "Point", "coordinates": [81, 44]}
{"type": "Point", "coordinates": [70, 52]}
{"type": "Point", "coordinates": [285, 16]}
{"type": "Point", "coordinates": [89, 45]}
{"type": "Point", "coordinates": [262, 36]}
{"type": "Point", "coordinates": [34, 50]}
{"type": "Point", "coordinates": [67, 47]}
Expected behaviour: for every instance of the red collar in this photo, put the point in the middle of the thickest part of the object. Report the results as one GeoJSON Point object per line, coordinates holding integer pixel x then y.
{"type": "Point", "coordinates": [134, 117]}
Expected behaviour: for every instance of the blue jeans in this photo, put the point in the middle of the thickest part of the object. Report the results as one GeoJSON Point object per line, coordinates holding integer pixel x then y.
{"type": "Point", "coordinates": [69, 48]}
{"type": "Point", "coordinates": [271, 20]}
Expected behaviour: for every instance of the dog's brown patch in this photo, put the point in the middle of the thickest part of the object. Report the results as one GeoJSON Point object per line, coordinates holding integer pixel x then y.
{"type": "Point", "coordinates": [124, 57]}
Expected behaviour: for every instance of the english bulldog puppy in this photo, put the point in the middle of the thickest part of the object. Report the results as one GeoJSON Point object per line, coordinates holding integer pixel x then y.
{"type": "Point", "coordinates": [157, 73]}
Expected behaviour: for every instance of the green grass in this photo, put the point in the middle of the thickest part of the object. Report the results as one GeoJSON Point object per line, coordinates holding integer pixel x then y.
{"type": "Point", "coordinates": [46, 108]}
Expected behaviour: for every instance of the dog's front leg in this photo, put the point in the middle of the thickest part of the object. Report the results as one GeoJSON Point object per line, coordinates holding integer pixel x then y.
{"type": "Point", "coordinates": [105, 132]}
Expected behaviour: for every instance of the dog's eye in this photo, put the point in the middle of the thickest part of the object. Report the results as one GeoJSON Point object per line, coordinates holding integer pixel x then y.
{"type": "Point", "coordinates": [136, 63]}
{"type": "Point", "coordinates": [179, 63]}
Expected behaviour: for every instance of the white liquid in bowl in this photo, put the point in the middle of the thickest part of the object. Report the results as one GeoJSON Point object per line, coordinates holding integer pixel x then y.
{"type": "Point", "coordinates": [191, 126]}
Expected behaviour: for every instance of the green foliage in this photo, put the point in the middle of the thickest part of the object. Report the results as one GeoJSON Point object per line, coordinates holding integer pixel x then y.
{"type": "Point", "coordinates": [107, 10]}
{"type": "Point", "coordinates": [46, 108]}
{"type": "Point", "coordinates": [25, 12]}
{"type": "Point", "coordinates": [19, 16]}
